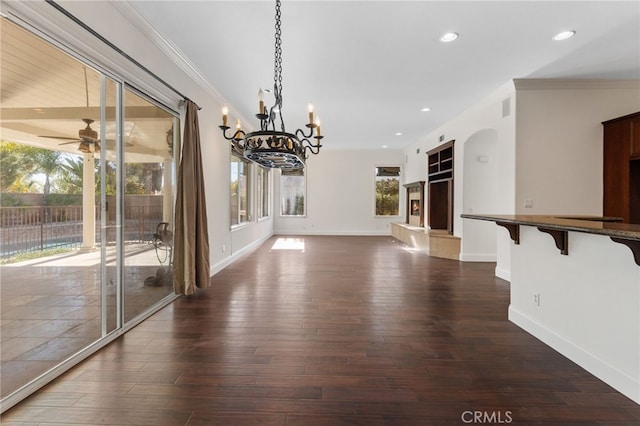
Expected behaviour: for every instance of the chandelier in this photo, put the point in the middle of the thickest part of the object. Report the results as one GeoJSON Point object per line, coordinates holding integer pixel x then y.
{"type": "Point", "coordinates": [272, 147]}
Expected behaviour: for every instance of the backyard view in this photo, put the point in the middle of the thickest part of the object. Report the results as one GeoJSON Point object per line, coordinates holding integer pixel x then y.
{"type": "Point", "coordinates": [86, 208]}
{"type": "Point", "coordinates": [41, 201]}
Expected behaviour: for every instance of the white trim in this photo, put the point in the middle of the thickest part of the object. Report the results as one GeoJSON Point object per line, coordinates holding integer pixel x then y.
{"type": "Point", "coordinates": [129, 12]}
{"type": "Point", "coordinates": [628, 386]}
{"type": "Point", "coordinates": [573, 84]}
{"type": "Point", "coordinates": [336, 233]}
{"type": "Point", "coordinates": [505, 274]}
{"type": "Point", "coordinates": [478, 257]}
{"type": "Point", "coordinates": [219, 266]}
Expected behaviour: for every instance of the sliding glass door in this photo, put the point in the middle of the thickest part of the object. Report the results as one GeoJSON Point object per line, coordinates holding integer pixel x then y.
{"type": "Point", "coordinates": [148, 134]}
{"type": "Point", "coordinates": [87, 172]}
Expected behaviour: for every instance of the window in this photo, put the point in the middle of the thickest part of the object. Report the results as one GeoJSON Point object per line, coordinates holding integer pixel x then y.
{"type": "Point", "coordinates": [292, 191]}
{"type": "Point", "coordinates": [263, 192]}
{"type": "Point", "coordinates": [239, 190]}
{"type": "Point", "coordinates": [387, 191]}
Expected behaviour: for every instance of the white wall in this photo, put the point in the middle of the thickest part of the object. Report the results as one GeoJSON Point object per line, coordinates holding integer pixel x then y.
{"type": "Point", "coordinates": [589, 303]}
{"type": "Point", "coordinates": [119, 23]}
{"type": "Point", "coordinates": [340, 198]}
{"type": "Point", "coordinates": [559, 141]}
{"type": "Point", "coordinates": [482, 121]}
{"type": "Point", "coordinates": [548, 150]}
{"type": "Point", "coordinates": [480, 194]}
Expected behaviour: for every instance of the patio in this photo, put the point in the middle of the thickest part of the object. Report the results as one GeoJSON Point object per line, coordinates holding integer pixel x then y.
{"type": "Point", "coordinates": [51, 307]}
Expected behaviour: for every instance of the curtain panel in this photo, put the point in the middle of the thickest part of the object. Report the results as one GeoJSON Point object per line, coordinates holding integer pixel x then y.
{"type": "Point", "coordinates": [191, 238]}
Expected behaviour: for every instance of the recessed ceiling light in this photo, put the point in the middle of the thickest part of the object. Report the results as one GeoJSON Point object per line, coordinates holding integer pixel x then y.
{"type": "Point", "coordinates": [384, 147]}
{"type": "Point", "coordinates": [564, 35]}
{"type": "Point", "coordinates": [425, 109]}
{"type": "Point", "coordinates": [398, 134]}
{"type": "Point", "coordinates": [449, 37]}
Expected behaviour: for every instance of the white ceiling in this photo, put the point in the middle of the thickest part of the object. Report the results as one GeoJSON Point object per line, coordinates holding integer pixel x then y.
{"type": "Point", "coordinates": [370, 66]}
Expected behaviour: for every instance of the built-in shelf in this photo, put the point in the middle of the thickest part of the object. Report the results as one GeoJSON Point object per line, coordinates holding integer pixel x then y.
{"type": "Point", "coordinates": [440, 163]}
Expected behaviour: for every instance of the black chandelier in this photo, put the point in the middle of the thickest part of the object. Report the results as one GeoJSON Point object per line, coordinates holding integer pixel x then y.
{"type": "Point", "coordinates": [268, 146]}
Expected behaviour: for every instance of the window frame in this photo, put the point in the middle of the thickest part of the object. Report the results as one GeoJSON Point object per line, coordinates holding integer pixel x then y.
{"type": "Point", "coordinates": [375, 191]}
{"type": "Point", "coordinates": [248, 197]}
{"type": "Point", "coordinates": [304, 197]}
{"type": "Point", "coordinates": [263, 193]}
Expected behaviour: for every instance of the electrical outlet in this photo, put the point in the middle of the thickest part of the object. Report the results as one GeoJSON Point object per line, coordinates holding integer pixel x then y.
{"type": "Point", "coordinates": [528, 204]}
{"type": "Point", "coordinates": [536, 299]}
{"type": "Point", "coordinates": [224, 248]}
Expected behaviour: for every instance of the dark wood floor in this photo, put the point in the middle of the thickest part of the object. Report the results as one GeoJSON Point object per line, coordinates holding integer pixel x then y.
{"type": "Point", "coordinates": [350, 330]}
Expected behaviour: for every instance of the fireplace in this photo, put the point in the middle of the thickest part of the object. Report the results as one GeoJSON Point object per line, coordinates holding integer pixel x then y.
{"type": "Point", "coordinates": [415, 203]}
{"type": "Point", "coordinates": [415, 207]}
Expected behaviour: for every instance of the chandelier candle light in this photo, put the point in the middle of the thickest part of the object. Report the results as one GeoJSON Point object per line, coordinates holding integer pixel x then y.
{"type": "Point", "coordinates": [269, 146]}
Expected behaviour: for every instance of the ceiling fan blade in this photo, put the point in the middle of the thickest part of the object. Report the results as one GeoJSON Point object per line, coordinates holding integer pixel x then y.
{"type": "Point", "coordinates": [69, 138]}
{"type": "Point", "coordinates": [70, 142]}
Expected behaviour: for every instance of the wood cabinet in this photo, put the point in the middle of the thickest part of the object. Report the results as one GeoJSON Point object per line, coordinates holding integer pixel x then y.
{"type": "Point", "coordinates": [440, 163]}
{"type": "Point", "coordinates": [635, 136]}
{"type": "Point", "coordinates": [621, 168]}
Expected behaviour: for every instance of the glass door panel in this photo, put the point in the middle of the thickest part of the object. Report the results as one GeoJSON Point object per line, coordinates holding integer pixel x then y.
{"type": "Point", "coordinates": [87, 178]}
{"type": "Point", "coordinates": [148, 134]}
{"type": "Point", "coordinates": [51, 287]}
{"type": "Point", "coordinates": [108, 195]}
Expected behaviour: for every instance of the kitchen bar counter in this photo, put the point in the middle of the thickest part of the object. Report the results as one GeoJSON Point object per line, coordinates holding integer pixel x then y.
{"type": "Point", "coordinates": [583, 301]}
{"type": "Point", "coordinates": [610, 226]}
{"type": "Point", "coordinates": [559, 226]}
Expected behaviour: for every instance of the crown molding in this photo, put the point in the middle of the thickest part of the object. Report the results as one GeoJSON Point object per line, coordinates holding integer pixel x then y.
{"type": "Point", "coordinates": [174, 53]}
{"type": "Point", "coordinates": [573, 84]}
{"type": "Point", "coordinates": [178, 57]}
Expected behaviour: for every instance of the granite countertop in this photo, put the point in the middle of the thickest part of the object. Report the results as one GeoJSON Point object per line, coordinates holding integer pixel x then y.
{"type": "Point", "coordinates": [611, 227]}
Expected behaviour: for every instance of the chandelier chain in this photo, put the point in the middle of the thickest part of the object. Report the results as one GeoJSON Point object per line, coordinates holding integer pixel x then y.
{"type": "Point", "coordinates": [277, 74]}
{"type": "Point", "coordinates": [269, 146]}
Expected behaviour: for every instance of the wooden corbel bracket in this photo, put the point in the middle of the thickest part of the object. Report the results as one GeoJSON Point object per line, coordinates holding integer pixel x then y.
{"type": "Point", "coordinates": [634, 245]}
{"type": "Point", "coordinates": [514, 230]}
{"type": "Point", "coordinates": [560, 237]}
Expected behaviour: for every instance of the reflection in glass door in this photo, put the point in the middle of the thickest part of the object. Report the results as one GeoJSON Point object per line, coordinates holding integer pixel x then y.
{"type": "Point", "coordinates": [87, 177]}
{"type": "Point", "coordinates": [148, 134]}
{"type": "Point", "coordinates": [53, 291]}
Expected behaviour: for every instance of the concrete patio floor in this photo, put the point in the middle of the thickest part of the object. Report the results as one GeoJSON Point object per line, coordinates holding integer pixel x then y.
{"type": "Point", "coordinates": [50, 306]}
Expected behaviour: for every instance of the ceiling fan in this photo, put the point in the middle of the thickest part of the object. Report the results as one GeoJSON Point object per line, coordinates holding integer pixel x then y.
{"type": "Point", "coordinates": [87, 138]}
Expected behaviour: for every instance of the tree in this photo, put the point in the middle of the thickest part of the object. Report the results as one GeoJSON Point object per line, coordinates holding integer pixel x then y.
{"type": "Point", "coordinates": [48, 163]}
{"type": "Point", "coordinates": [387, 197]}
{"type": "Point", "coordinates": [16, 165]}
{"type": "Point", "coordinates": [71, 176]}
{"type": "Point", "coordinates": [110, 178]}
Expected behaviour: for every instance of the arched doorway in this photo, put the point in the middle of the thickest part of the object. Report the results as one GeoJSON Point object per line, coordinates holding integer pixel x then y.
{"type": "Point", "coordinates": [480, 195]}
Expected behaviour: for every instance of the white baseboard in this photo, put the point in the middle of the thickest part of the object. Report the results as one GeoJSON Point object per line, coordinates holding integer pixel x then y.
{"type": "Point", "coordinates": [214, 269]}
{"type": "Point", "coordinates": [477, 257]}
{"type": "Point", "coordinates": [505, 274]}
{"type": "Point", "coordinates": [623, 383]}
{"type": "Point", "coordinates": [302, 233]}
